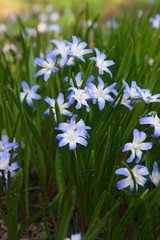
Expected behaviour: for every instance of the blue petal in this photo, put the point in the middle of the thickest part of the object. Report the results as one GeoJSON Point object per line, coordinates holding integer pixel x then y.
{"type": "Point", "coordinates": [122, 171]}
{"type": "Point", "coordinates": [97, 52]}
{"type": "Point", "coordinates": [29, 102]}
{"type": "Point", "coordinates": [34, 88]}
{"type": "Point", "coordinates": [36, 96]}
{"type": "Point", "coordinates": [72, 145]}
{"type": "Point", "coordinates": [81, 141]}
{"type": "Point", "coordinates": [40, 72]}
{"type": "Point", "coordinates": [50, 101]}
{"type": "Point", "coordinates": [60, 98]}
{"type": "Point", "coordinates": [155, 168]}
{"type": "Point", "coordinates": [25, 86]}
{"type": "Point", "coordinates": [55, 69]}
{"type": "Point", "coordinates": [40, 62]}
{"type": "Point", "coordinates": [47, 75]}
{"type": "Point", "coordinates": [122, 184]}
{"type": "Point", "coordinates": [100, 83]}
{"type": "Point", "coordinates": [63, 142]}
{"type": "Point", "coordinates": [101, 103]}
{"type": "Point", "coordinates": [46, 112]}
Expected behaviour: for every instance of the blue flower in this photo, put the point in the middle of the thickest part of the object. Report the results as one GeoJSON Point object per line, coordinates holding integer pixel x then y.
{"type": "Point", "coordinates": [137, 146]}
{"type": "Point", "coordinates": [48, 67]}
{"type": "Point", "coordinates": [155, 21]}
{"type": "Point", "coordinates": [155, 177]}
{"type": "Point", "coordinates": [154, 121]}
{"type": "Point", "coordinates": [101, 63]}
{"type": "Point", "coordinates": [5, 167]}
{"type": "Point", "coordinates": [61, 104]}
{"type": "Point", "coordinates": [81, 96]}
{"type": "Point", "coordinates": [76, 236]}
{"type": "Point", "coordinates": [130, 95]}
{"type": "Point", "coordinates": [77, 48]}
{"type": "Point", "coordinates": [4, 160]}
{"type": "Point", "coordinates": [62, 50]}
{"type": "Point", "coordinates": [72, 133]}
{"type": "Point", "coordinates": [79, 79]}
{"type": "Point", "coordinates": [80, 125]}
{"type": "Point", "coordinates": [131, 92]}
{"type": "Point", "coordinates": [12, 169]}
{"type": "Point", "coordinates": [147, 96]}
{"type": "Point", "coordinates": [101, 93]}
{"type": "Point", "coordinates": [30, 93]}
{"type": "Point", "coordinates": [138, 172]}
{"type": "Point", "coordinates": [5, 145]}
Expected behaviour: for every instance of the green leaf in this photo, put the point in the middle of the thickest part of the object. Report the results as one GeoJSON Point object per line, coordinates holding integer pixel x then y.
{"type": "Point", "coordinates": [62, 231]}
{"type": "Point", "coordinates": [44, 217]}
{"type": "Point", "coordinates": [38, 214]}
{"type": "Point", "coordinates": [12, 205]}
{"type": "Point", "coordinates": [87, 74]}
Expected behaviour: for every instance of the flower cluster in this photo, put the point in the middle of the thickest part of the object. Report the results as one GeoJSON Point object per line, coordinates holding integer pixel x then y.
{"type": "Point", "coordinates": [136, 147]}
{"type": "Point", "coordinates": [135, 94]}
{"type": "Point", "coordinates": [67, 51]}
{"type": "Point", "coordinates": [76, 133]}
{"type": "Point", "coordinates": [73, 133]}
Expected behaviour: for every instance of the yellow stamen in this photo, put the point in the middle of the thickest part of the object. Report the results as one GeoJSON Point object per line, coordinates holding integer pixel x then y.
{"type": "Point", "coordinates": [136, 177]}
{"type": "Point", "coordinates": [71, 136]}
{"type": "Point", "coordinates": [137, 146]}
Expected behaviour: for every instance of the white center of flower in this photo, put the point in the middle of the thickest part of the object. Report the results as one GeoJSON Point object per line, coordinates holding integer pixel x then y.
{"type": "Point", "coordinates": [100, 62]}
{"type": "Point", "coordinates": [1, 148]}
{"type": "Point", "coordinates": [134, 92]}
{"type": "Point", "coordinates": [50, 64]}
{"type": "Point", "coordinates": [137, 146]}
{"type": "Point", "coordinates": [77, 49]}
{"type": "Point", "coordinates": [63, 50]}
{"type": "Point", "coordinates": [46, 65]}
{"type": "Point", "coordinates": [80, 95]}
{"type": "Point", "coordinates": [71, 136]}
{"type": "Point", "coordinates": [155, 179]}
{"type": "Point", "coordinates": [30, 94]}
{"type": "Point", "coordinates": [101, 92]}
{"type": "Point", "coordinates": [136, 177]}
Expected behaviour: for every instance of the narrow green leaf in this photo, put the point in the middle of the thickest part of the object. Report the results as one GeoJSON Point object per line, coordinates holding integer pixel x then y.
{"type": "Point", "coordinates": [13, 198]}
{"type": "Point", "coordinates": [37, 215]}
{"type": "Point", "coordinates": [62, 231]}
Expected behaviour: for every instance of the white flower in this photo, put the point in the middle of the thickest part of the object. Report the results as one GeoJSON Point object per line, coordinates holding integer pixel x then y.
{"type": "Point", "coordinates": [30, 93]}
{"type": "Point", "coordinates": [137, 146]}
{"type": "Point", "coordinates": [48, 67]}
{"type": "Point", "coordinates": [101, 63]}
{"type": "Point", "coordinates": [62, 106]}
{"type": "Point", "coordinates": [138, 172]}
{"type": "Point", "coordinates": [81, 96]}
{"type": "Point", "coordinates": [101, 93]}
{"type": "Point", "coordinates": [154, 121]}
{"type": "Point", "coordinates": [77, 49]}
{"type": "Point", "coordinates": [71, 136]}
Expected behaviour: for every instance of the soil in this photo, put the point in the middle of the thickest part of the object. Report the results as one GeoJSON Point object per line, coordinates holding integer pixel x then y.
{"type": "Point", "coordinates": [36, 231]}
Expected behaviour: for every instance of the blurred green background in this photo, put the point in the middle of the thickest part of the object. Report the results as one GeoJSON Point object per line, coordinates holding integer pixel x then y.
{"type": "Point", "coordinates": [94, 5]}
